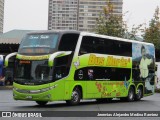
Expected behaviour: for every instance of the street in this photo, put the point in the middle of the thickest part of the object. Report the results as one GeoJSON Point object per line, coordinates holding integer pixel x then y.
{"type": "Point", "coordinates": [151, 103]}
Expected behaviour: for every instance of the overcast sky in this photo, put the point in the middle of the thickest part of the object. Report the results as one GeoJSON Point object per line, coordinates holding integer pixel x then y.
{"type": "Point", "coordinates": [33, 14]}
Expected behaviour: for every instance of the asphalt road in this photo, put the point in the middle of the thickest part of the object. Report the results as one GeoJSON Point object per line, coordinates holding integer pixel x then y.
{"type": "Point", "coordinates": [150, 103]}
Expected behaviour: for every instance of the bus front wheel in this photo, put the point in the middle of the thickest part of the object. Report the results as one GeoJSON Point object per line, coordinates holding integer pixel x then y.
{"type": "Point", "coordinates": [75, 97]}
{"type": "Point", "coordinates": [41, 103]}
{"type": "Point", "coordinates": [131, 94]}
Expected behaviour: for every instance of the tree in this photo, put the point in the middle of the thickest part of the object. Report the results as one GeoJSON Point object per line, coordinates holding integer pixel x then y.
{"type": "Point", "coordinates": [152, 33]}
{"type": "Point", "coordinates": [134, 31]}
{"type": "Point", "coordinates": [109, 23]}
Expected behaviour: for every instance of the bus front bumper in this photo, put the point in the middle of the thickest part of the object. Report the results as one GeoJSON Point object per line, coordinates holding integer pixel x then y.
{"type": "Point", "coordinates": [32, 95]}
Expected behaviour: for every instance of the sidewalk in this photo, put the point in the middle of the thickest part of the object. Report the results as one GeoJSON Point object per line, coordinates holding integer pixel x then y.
{"type": "Point", "coordinates": [6, 87]}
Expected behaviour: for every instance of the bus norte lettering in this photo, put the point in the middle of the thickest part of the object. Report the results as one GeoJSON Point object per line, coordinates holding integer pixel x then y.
{"type": "Point", "coordinates": [111, 61]}
{"type": "Point", "coordinates": [93, 60]}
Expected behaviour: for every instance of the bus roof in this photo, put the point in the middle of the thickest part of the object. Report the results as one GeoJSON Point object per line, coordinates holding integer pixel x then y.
{"type": "Point", "coordinates": [54, 31]}
{"type": "Point", "coordinates": [113, 38]}
{"type": "Point", "coordinates": [61, 32]}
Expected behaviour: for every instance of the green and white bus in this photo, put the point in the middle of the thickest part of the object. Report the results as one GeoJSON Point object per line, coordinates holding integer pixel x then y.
{"type": "Point", "coordinates": [72, 65]}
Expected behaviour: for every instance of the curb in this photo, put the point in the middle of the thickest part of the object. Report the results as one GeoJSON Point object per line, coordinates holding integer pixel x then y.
{"type": "Point", "coordinates": [6, 87]}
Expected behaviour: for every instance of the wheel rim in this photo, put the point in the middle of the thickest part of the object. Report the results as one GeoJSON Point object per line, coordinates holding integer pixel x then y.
{"type": "Point", "coordinates": [139, 93]}
{"type": "Point", "coordinates": [131, 95]}
{"type": "Point", "coordinates": [75, 96]}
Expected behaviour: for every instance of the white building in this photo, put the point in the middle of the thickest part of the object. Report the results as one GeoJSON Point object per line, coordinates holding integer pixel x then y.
{"type": "Point", "coordinates": [62, 14]}
{"type": "Point", "coordinates": [78, 14]}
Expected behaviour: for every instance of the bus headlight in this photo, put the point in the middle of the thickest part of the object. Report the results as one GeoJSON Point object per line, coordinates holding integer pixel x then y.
{"type": "Point", "coordinates": [44, 89]}
{"type": "Point", "coordinates": [50, 88]}
{"type": "Point", "coordinates": [35, 91]}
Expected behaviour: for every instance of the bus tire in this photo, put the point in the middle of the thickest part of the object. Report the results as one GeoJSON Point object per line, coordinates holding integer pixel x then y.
{"type": "Point", "coordinates": [75, 97]}
{"type": "Point", "coordinates": [41, 103]}
{"type": "Point", "coordinates": [139, 94]}
{"type": "Point", "coordinates": [131, 94]}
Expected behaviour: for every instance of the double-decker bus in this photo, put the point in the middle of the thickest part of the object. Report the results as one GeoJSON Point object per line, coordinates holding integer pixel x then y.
{"type": "Point", "coordinates": [72, 65]}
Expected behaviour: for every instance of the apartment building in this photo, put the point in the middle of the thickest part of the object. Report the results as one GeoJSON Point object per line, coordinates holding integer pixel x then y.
{"type": "Point", "coordinates": [78, 14]}
{"type": "Point", "coordinates": [62, 14]}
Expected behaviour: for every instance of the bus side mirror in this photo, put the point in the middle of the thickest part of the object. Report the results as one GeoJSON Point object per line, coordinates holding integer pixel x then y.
{"type": "Point", "coordinates": [7, 58]}
{"type": "Point", "coordinates": [57, 54]}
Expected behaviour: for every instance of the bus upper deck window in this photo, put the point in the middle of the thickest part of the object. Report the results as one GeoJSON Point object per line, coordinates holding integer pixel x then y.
{"type": "Point", "coordinates": [82, 51]}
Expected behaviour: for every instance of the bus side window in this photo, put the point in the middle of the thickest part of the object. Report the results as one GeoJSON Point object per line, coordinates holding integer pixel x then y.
{"type": "Point", "coordinates": [91, 45]}
{"type": "Point", "coordinates": [68, 42]}
{"type": "Point", "coordinates": [86, 45]}
{"type": "Point", "coordinates": [120, 48]}
{"type": "Point", "coordinates": [123, 48]}
{"type": "Point", "coordinates": [99, 46]}
{"type": "Point", "coordinates": [62, 66]}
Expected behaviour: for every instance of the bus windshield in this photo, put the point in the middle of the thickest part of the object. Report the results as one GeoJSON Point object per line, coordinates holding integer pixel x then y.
{"type": "Point", "coordinates": [38, 43]}
{"type": "Point", "coordinates": [35, 72]}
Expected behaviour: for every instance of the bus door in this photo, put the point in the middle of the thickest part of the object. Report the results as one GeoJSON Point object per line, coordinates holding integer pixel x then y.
{"type": "Point", "coordinates": [63, 64]}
